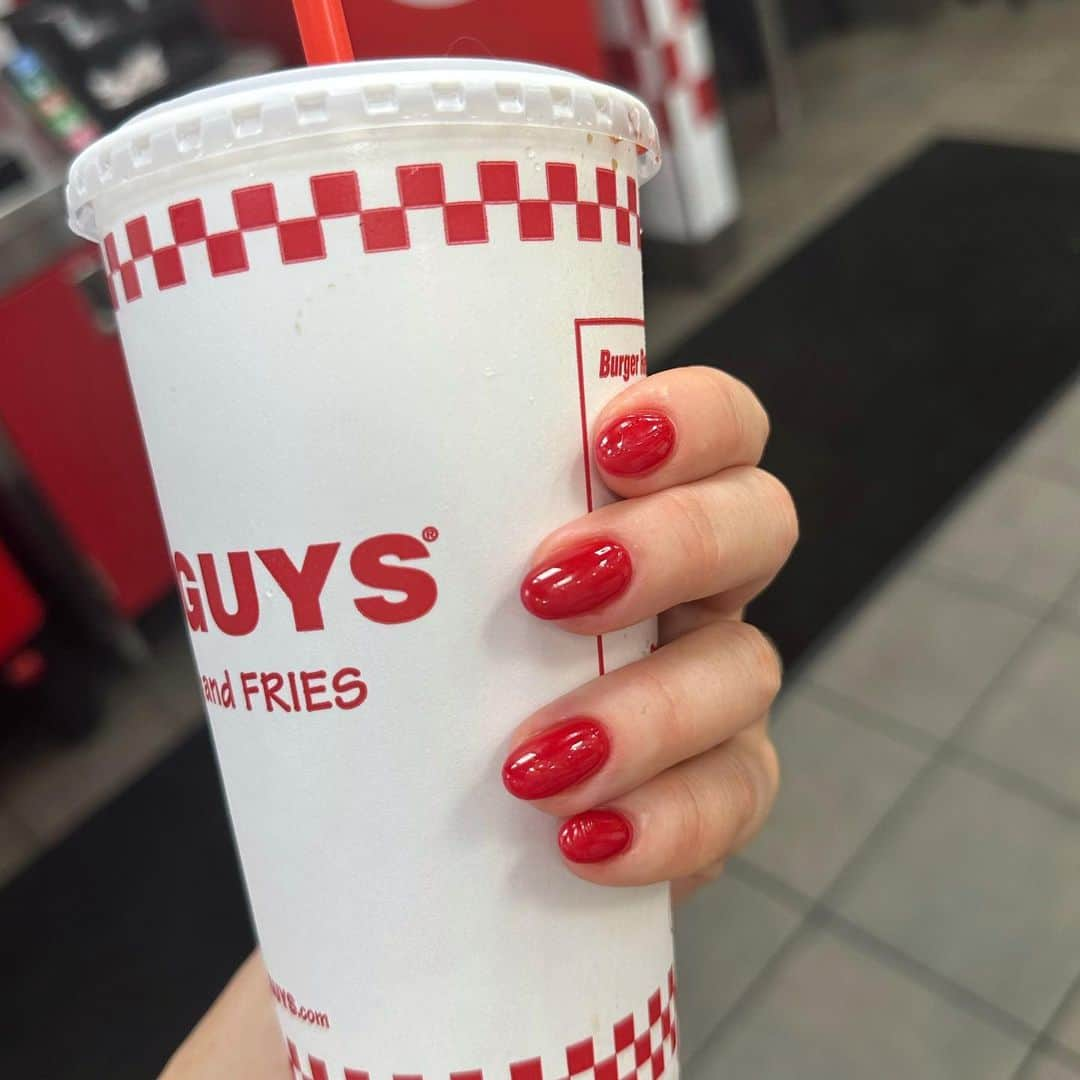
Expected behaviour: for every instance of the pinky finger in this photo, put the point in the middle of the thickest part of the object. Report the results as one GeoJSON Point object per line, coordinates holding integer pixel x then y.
{"type": "Point", "coordinates": [680, 823]}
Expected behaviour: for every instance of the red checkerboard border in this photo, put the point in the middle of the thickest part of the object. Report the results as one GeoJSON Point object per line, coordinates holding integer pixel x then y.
{"type": "Point", "coordinates": [639, 1049]}
{"type": "Point", "coordinates": [380, 228]}
{"type": "Point", "coordinates": [664, 54]}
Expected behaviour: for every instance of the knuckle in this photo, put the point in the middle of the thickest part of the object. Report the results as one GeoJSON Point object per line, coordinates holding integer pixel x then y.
{"type": "Point", "coordinates": [754, 419]}
{"type": "Point", "coordinates": [770, 764]}
{"type": "Point", "coordinates": [667, 720]}
{"type": "Point", "coordinates": [754, 780]}
{"type": "Point", "coordinates": [781, 509]}
{"type": "Point", "coordinates": [692, 525]}
{"type": "Point", "coordinates": [695, 820]}
{"type": "Point", "coordinates": [743, 789]}
{"type": "Point", "coordinates": [744, 417]}
{"type": "Point", "coordinates": [762, 661]}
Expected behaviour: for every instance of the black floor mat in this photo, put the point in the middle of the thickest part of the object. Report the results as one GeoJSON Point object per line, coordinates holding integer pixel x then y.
{"type": "Point", "coordinates": [896, 351]}
{"type": "Point", "coordinates": [113, 944]}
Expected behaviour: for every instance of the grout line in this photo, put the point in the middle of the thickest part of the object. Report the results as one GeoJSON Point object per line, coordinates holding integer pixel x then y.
{"type": "Point", "coordinates": [757, 987]}
{"type": "Point", "coordinates": [1043, 1047]}
{"type": "Point", "coordinates": [1001, 595]}
{"type": "Point", "coordinates": [943, 986]}
{"type": "Point", "coordinates": [911, 560]}
{"type": "Point", "coordinates": [940, 758]}
{"type": "Point", "coordinates": [873, 841]}
{"type": "Point", "coordinates": [963, 757]}
{"type": "Point", "coordinates": [942, 753]}
{"type": "Point", "coordinates": [819, 916]}
{"type": "Point", "coordinates": [892, 727]}
{"type": "Point", "coordinates": [786, 896]}
{"type": "Point", "coordinates": [1046, 1042]}
{"type": "Point", "coordinates": [823, 914]}
{"type": "Point", "coordinates": [767, 882]}
{"type": "Point", "coordinates": [1012, 780]}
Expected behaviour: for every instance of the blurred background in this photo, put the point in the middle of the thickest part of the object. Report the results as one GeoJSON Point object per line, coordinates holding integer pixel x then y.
{"type": "Point", "coordinates": [869, 210]}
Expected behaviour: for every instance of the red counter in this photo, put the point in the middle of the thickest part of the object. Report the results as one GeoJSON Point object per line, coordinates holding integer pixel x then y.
{"type": "Point", "coordinates": [22, 614]}
{"type": "Point", "coordinates": [67, 408]}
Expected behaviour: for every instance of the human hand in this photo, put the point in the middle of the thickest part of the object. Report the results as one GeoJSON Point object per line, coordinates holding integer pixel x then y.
{"type": "Point", "coordinates": [239, 1037]}
{"type": "Point", "coordinates": [663, 768]}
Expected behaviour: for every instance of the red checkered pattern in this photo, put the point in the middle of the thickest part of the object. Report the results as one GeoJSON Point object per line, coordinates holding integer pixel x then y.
{"type": "Point", "coordinates": [641, 1047]}
{"type": "Point", "coordinates": [651, 50]}
{"type": "Point", "coordinates": [380, 228]}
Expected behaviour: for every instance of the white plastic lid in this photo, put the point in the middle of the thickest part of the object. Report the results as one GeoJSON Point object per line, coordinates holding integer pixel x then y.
{"type": "Point", "coordinates": [352, 98]}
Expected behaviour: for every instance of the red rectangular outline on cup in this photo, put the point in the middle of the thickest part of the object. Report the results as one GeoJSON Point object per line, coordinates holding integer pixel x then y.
{"type": "Point", "coordinates": [585, 448]}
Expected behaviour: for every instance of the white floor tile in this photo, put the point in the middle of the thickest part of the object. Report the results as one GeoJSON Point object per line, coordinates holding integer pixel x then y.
{"type": "Point", "coordinates": [1017, 532]}
{"type": "Point", "coordinates": [981, 886]}
{"type": "Point", "coordinates": [724, 935]}
{"type": "Point", "coordinates": [833, 1013]}
{"type": "Point", "coordinates": [839, 778]}
{"type": "Point", "coordinates": [920, 652]}
{"type": "Point", "coordinates": [1030, 722]}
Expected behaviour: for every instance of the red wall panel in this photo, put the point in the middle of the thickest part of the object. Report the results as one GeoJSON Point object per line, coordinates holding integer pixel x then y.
{"type": "Point", "coordinates": [67, 406]}
{"type": "Point", "coordinates": [21, 612]}
{"type": "Point", "coordinates": [559, 32]}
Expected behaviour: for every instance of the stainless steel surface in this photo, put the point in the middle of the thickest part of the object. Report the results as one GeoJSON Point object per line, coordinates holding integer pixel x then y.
{"type": "Point", "coordinates": [33, 235]}
{"type": "Point", "coordinates": [33, 232]}
{"type": "Point", "coordinates": [33, 225]}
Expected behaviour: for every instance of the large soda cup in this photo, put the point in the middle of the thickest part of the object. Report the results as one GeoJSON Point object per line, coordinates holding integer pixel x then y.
{"type": "Point", "coordinates": [369, 312]}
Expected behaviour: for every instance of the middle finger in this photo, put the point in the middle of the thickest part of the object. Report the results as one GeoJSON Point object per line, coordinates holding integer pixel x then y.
{"type": "Point", "coordinates": [627, 561]}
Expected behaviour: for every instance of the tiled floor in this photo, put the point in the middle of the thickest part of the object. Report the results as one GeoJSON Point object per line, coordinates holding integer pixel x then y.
{"type": "Point", "coordinates": [926, 842]}
{"type": "Point", "coordinates": [913, 908]}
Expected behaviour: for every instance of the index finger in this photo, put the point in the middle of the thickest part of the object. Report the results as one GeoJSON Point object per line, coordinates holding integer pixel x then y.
{"type": "Point", "coordinates": [677, 427]}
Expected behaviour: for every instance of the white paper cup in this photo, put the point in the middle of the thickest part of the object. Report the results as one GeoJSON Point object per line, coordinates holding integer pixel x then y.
{"type": "Point", "coordinates": [366, 310]}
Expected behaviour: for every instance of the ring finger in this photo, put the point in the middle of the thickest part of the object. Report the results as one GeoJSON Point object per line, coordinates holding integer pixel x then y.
{"type": "Point", "coordinates": [615, 733]}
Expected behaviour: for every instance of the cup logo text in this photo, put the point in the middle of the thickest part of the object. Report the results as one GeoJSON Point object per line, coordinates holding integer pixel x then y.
{"type": "Point", "coordinates": [378, 563]}
{"type": "Point", "coordinates": [625, 366]}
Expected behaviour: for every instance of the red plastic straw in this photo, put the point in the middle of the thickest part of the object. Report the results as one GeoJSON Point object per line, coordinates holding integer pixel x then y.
{"type": "Point", "coordinates": [323, 31]}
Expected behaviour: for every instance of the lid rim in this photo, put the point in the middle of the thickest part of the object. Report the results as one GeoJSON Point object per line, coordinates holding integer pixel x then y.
{"type": "Point", "coordinates": [367, 96]}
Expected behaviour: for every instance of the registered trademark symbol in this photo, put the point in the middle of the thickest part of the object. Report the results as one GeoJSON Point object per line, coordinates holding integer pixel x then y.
{"type": "Point", "coordinates": [431, 534]}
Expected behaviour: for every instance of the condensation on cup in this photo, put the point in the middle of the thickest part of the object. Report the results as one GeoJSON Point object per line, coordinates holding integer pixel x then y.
{"type": "Point", "coordinates": [369, 312]}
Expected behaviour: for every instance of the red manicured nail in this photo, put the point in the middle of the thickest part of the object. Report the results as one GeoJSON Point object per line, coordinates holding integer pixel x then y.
{"type": "Point", "coordinates": [636, 444]}
{"type": "Point", "coordinates": [577, 580]}
{"type": "Point", "coordinates": [595, 836]}
{"type": "Point", "coordinates": [556, 759]}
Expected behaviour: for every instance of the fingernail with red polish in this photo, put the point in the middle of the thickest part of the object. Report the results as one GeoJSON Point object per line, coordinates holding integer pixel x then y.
{"type": "Point", "coordinates": [578, 580]}
{"type": "Point", "coordinates": [595, 836]}
{"type": "Point", "coordinates": [636, 444]}
{"type": "Point", "coordinates": [556, 759]}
